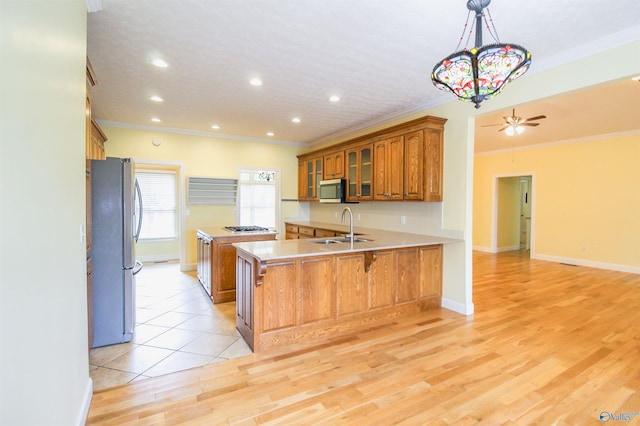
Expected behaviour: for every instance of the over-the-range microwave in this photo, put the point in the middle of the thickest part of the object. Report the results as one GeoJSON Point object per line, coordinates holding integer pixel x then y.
{"type": "Point", "coordinates": [332, 191]}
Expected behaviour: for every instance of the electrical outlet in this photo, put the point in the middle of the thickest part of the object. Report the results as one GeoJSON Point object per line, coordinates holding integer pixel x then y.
{"type": "Point", "coordinates": [335, 215]}
{"type": "Point", "coordinates": [403, 220]}
{"type": "Point", "coordinates": [358, 216]}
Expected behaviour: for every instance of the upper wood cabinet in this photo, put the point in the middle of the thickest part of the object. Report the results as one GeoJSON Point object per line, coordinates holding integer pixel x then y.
{"type": "Point", "coordinates": [434, 152]}
{"type": "Point", "coordinates": [309, 177]}
{"type": "Point", "coordinates": [334, 165]}
{"type": "Point", "coordinates": [359, 173]}
{"type": "Point", "coordinates": [414, 155]}
{"type": "Point", "coordinates": [95, 150]}
{"type": "Point", "coordinates": [388, 163]}
{"type": "Point", "coordinates": [399, 163]}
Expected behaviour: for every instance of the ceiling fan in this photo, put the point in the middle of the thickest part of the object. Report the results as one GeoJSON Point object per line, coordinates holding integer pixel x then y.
{"type": "Point", "coordinates": [515, 125]}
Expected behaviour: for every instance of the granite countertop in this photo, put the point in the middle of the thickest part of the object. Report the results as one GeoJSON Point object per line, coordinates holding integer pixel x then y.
{"type": "Point", "coordinates": [220, 232]}
{"type": "Point", "coordinates": [377, 240]}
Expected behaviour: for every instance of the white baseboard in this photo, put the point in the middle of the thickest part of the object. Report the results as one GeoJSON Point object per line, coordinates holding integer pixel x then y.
{"type": "Point", "coordinates": [589, 263]}
{"type": "Point", "coordinates": [86, 404]}
{"type": "Point", "coordinates": [483, 249]}
{"type": "Point", "coordinates": [509, 248]}
{"type": "Point", "coordinates": [158, 258]}
{"type": "Point", "coordinates": [190, 267]}
{"type": "Point", "coordinates": [461, 308]}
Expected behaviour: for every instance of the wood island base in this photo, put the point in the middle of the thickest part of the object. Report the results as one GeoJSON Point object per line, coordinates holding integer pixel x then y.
{"type": "Point", "coordinates": [303, 299]}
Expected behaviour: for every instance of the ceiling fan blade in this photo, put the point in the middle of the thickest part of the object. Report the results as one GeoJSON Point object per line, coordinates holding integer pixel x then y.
{"type": "Point", "coordinates": [502, 128]}
{"type": "Point", "coordinates": [491, 125]}
{"type": "Point", "coordinates": [537, 117]}
{"type": "Point", "coordinates": [529, 124]}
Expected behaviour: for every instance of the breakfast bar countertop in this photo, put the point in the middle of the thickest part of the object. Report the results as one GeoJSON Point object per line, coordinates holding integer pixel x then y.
{"type": "Point", "coordinates": [376, 240]}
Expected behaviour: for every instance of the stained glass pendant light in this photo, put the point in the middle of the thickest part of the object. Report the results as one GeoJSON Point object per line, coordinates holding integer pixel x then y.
{"type": "Point", "coordinates": [482, 72]}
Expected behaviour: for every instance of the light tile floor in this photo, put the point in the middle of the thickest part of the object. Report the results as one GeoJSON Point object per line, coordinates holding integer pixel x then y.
{"type": "Point", "coordinates": [177, 328]}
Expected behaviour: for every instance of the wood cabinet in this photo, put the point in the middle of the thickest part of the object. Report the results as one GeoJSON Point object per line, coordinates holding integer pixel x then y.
{"type": "Point", "coordinates": [334, 165]}
{"type": "Point", "coordinates": [296, 232]}
{"type": "Point", "coordinates": [413, 166]}
{"type": "Point", "coordinates": [388, 169]}
{"type": "Point", "coordinates": [224, 271]}
{"type": "Point", "coordinates": [434, 152]}
{"type": "Point", "coordinates": [216, 262]}
{"type": "Point", "coordinates": [359, 173]}
{"type": "Point", "coordinates": [306, 298]}
{"type": "Point", "coordinates": [399, 163]}
{"type": "Point", "coordinates": [95, 149]}
{"type": "Point", "coordinates": [308, 186]}
{"type": "Point", "coordinates": [399, 168]}
{"type": "Point", "coordinates": [245, 276]}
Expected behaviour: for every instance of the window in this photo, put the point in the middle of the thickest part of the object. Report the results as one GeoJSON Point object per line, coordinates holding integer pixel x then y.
{"type": "Point", "coordinates": [159, 205]}
{"type": "Point", "coordinates": [257, 198]}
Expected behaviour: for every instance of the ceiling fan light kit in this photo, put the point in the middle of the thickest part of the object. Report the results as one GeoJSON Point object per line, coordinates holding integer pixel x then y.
{"type": "Point", "coordinates": [512, 130]}
{"type": "Point", "coordinates": [480, 73]}
{"type": "Point", "coordinates": [515, 125]}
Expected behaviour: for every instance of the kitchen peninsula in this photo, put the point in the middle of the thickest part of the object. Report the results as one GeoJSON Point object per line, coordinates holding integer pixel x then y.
{"type": "Point", "coordinates": [298, 290]}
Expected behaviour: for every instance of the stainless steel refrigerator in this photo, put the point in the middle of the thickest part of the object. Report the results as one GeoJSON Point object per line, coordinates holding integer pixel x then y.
{"type": "Point", "coordinates": [116, 219]}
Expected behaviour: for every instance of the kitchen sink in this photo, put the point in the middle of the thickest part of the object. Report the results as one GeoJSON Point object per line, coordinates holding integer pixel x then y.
{"type": "Point", "coordinates": [337, 240]}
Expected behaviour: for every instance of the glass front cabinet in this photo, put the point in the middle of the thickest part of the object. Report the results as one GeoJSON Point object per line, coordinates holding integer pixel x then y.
{"type": "Point", "coordinates": [359, 173]}
{"type": "Point", "coordinates": [310, 173]}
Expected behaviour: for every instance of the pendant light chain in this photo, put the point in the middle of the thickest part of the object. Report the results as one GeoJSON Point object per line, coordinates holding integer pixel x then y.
{"type": "Point", "coordinates": [492, 30]}
{"type": "Point", "coordinates": [464, 29]}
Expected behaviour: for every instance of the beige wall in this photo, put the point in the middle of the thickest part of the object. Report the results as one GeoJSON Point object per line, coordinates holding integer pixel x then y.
{"type": "Point", "coordinates": [198, 155]}
{"type": "Point", "coordinates": [44, 365]}
{"type": "Point", "coordinates": [586, 202]}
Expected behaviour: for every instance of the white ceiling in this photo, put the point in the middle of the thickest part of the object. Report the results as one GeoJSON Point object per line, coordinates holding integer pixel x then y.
{"type": "Point", "coordinates": [377, 55]}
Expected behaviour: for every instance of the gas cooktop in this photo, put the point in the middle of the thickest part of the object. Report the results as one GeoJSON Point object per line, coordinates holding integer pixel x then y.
{"type": "Point", "coordinates": [238, 229]}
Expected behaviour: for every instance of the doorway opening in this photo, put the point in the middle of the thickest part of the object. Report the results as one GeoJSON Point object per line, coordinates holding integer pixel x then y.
{"type": "Point", "coordinates": [513, 213]}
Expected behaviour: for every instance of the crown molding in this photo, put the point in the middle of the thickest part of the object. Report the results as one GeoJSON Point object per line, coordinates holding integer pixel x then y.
{"type": "Point", "coordinates": [119, 124]}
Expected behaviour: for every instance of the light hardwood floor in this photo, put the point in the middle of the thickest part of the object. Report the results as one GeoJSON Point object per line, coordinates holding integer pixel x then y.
{"type": "Point", "coordinates": [548, 344]}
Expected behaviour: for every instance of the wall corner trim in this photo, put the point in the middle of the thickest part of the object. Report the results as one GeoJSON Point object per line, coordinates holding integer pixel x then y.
{"type": "Point", "coordinates": [461, 308]}
{"type": "Point", "coordinates": [86, 404]}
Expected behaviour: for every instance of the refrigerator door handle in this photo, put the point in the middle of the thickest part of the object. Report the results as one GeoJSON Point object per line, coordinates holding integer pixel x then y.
{"type": "Point", "coordinates": [139, 193]}
{"type": "Point", "coordinates": [138, 267]}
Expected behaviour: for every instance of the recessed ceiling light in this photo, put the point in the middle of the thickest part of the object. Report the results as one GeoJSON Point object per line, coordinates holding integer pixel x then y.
{"type": "Point", "coordinates": [270, 133]}
{"type": "Point", "coordinates": [156, 99]}
{"type": "Point", "coordinates": [215, 127]}
{"type": "Point", "coordinates": [160, 63]}
{"type": "Point", "coordinates": [155, 120]}
{"type": "Point", "coordinates": [334, 98]}
{"type": "Point", "coordinates": [255, 82]}
{"type": "Point", "coordinates": [296, 120]}
{"type": "Point", "coordinates": [636, 78]}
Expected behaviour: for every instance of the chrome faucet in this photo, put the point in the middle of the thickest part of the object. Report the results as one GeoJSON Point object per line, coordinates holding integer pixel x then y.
{"type": "Point", "coordinates": [347, 209]}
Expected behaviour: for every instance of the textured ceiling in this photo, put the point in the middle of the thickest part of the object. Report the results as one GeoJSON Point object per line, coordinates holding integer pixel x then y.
{"type": "Point", "coordinates": [377, 55]}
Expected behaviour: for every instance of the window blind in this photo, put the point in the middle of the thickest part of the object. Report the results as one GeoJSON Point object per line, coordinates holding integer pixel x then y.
{"type": "Point", "coordinates": [159, 204]}
{"type": "Point", "coordinates": [211, 191]}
